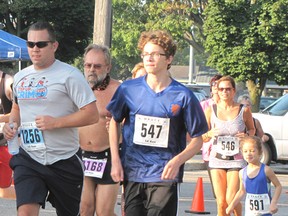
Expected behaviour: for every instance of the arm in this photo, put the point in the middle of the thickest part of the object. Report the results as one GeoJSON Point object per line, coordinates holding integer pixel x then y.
{"type": "Point", "coordinates": [117, 173]}
{"type": "Point", "coordinates": [4, 117]}
{"type": "Point", "coordinates": [8, 88]}
{"type": "Point", "coordinates": [238, 196]}
{"type": "Point", "coordinates": [206, 137]}
{"type": "Point", "coordinates": [8, 93]}
{"type": "Point", "coordinates": [278, 188]}
{"type": "Point", "coordinates": [14, 117]}
{"type": "Point", "coordinates": [259, 132]}
{"type": "Point", "coordinates": [248, 119]}
{"type": "Point", "coordinates": [172, 167]}
{"type": "Point", "coordinates": [212, 131]}
{"type": "Point", "coordinates": [85, 116]}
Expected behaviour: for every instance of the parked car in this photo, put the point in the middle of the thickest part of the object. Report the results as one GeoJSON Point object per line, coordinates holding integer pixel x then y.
{"type": "Point", "coordinates": [274, 121]}
{"type": "Point", "coordinates": [199, 92]}
{"type": "Point", "coordinates": [266, 101]}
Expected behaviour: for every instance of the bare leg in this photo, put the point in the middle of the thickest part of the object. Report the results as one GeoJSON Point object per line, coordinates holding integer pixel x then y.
{"type": "Point", "coordinates": [106, 197]}
{"type": "Point", "coordinates": [232, 188]}
{"type": "Point", "coordinates": [219, 180]}
{"type": "Point", "coordinates": [28, 210]}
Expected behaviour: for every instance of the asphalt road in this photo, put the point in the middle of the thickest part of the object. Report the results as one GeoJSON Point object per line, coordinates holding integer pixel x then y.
{"type": "Point", "coordinates": [187, 190]}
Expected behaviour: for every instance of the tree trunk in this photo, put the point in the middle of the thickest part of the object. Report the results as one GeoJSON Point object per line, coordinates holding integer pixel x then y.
{"type": "Point", "coordinates": [255, 92]}
{"type": "Point", "coordinates": [102, 22]}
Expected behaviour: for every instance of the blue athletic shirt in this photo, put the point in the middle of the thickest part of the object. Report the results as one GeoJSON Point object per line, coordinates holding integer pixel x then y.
{"type": "Point", "coordinates": [175, 103]}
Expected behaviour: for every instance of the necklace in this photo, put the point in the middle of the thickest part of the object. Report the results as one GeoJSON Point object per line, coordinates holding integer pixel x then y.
{"type": "Point", "coordinates": [103, 85]}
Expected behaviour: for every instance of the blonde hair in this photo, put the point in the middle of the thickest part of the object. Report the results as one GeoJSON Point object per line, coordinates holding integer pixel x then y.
{"type": "Point", "coordinates": [256, 141]}
{"type": "Point", "coordinates": [136, 68]}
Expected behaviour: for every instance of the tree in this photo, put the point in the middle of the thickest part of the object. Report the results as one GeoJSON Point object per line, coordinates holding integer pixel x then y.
{"type": "Point", "coordinates": [129, 20]}
{"type": "Point", "coordinates": [248, 40]}
{"type": "Point", "coordinates": [72, 21]}
{"type": "Point", "coordinates": [131, 17]}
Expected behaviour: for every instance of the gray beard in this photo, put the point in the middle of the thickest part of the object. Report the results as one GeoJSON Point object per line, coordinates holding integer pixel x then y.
{"type": "Point", "coordinates": [98, 81]}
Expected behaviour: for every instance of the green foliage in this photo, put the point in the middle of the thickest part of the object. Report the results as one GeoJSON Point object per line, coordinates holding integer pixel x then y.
{"type": "Point", "coordinates": [128, 23]}
{"type": "Point", "coordinates": [132, 17]}
{"type": "Point", "coordinates": [248, 41]}
{"type": "Point", "coordinates": [72, 20]}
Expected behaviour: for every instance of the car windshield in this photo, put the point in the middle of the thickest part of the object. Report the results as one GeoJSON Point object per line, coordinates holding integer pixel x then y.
{"type": "Point", "coordinates": [278, 108]}
{"type": "Point", "coordinates": [198, 92]}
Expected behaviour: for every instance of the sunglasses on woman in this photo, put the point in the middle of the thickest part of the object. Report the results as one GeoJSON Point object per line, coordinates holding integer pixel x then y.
{"type": "Point", "coordinates": [226, 89]}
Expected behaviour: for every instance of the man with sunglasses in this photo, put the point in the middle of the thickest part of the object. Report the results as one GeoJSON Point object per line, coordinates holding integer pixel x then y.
{"type": "Point", "coordinates": [99, 190]}
{"type": "Point", "coordinates": [157, 111]}
{"type": "Point", "coordinates": [51, 100]}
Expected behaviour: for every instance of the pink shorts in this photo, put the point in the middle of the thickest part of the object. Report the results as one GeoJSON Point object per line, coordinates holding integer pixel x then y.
{"type": "Point", "coordinates": [5, 170]}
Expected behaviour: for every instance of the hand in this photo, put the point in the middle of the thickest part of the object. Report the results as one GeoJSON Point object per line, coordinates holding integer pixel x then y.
{"type": "Point", "coordinates": [170, 170]}
{"type": "Point", "coordinates": [108, 119]}
{"type": "Point", "coordinates": [241, 134]}
{"type": "Point", "coordinates": [9, 132]}
{"type": "Point", "coordinates": [273, 208]}
{"type": "Point", "coordinates": [45, 122]}
{"type": "Point", "coordinates": [229, 210]}
{"type": "Point", "coordinates": [213, 132]}
{"type": "Point", "coordinates": [117, 173]}
{"type": "Point", "coordinates": [265, 138]}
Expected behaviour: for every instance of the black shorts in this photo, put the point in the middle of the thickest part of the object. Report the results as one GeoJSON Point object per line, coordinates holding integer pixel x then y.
{"type": "Point", "coordinates": [106, 178]}
{"type": "Point", "coordinates": [61, 181]}
{"type": "Point", "coordinates": [151, 199]}
{"type": "Point", "coordinates": [227, 169]}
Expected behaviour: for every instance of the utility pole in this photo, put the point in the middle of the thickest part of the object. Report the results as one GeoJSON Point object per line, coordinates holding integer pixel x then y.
{"type": "Point", "coordinates": [192, 62]}
{"type": "Point", "coordinates": [102, 22]}
{"type": "Point", "coordinates": [191, 65]}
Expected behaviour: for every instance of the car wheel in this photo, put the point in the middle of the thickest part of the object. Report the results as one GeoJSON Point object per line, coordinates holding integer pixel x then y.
{"type": "Point", "coordinates": [267, 154]}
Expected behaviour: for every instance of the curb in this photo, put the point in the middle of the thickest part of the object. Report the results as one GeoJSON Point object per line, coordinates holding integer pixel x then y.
{"type": "Point", "coordinates": [194, 165]}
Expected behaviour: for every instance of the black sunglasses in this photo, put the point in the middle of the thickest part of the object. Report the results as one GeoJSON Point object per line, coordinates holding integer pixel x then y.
{"type": "Point", "coordinates": [39, 44]}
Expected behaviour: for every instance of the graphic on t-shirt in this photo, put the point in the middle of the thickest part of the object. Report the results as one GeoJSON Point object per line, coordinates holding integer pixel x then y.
{"type": "Point", "coordinates": [175, 109]}
{"type": "Point", "coordinates": [32, 89]}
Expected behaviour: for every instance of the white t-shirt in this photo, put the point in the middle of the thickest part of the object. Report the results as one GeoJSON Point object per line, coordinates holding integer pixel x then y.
{"type": "Point", "coordinates": [56, 91]}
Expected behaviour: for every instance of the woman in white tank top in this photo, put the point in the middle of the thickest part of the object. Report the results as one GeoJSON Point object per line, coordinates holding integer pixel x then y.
{"type": "Point", "coordinates": [227, 121]}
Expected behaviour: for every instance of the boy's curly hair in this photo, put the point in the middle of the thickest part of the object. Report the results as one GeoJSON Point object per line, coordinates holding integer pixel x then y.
{"type": "Point", "coordinates": [161, 38]}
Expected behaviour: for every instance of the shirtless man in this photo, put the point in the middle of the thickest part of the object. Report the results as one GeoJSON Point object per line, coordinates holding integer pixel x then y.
{"type": "Point", "coordinates": [100, 191]}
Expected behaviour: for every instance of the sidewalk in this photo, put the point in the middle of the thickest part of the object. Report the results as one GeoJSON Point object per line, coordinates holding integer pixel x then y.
{"type": "Point", "coordinates": [195, 163]}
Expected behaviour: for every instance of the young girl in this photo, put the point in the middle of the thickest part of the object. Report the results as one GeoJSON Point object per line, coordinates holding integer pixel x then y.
{"type": "Point", "coordinates": [255, 180]}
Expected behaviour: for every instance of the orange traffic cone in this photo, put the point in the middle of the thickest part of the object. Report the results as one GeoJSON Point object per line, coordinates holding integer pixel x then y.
{"type": "Point", "coordinates": [198, 200]}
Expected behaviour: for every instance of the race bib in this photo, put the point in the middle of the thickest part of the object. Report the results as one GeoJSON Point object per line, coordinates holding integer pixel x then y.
{"type": "Point", "coordinates": [31, 137]}
{"type": "Point", "coordinates": [151, 131]}
{"type": "Point", "coordinates": [1, 126]}
{"type": "Point", "coordinates": [257, 204]}
{"type": "Point", "coordinates": [227, 145]}
{"type": "Point", "coordinates": [94, 167]}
